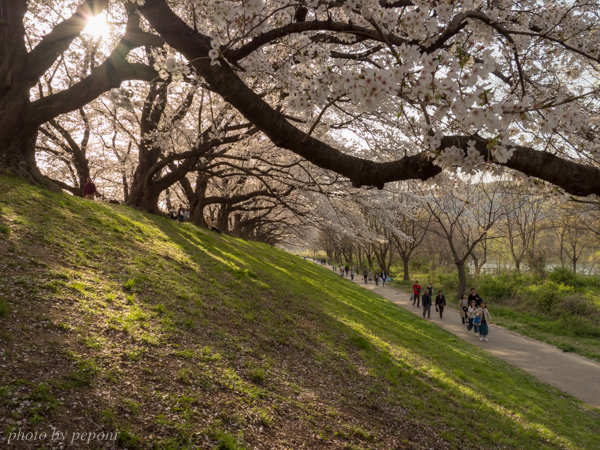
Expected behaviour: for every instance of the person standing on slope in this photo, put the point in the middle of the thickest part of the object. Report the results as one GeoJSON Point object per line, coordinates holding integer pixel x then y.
{"type": "Point", "coordinates": [484, 314]}
{"type": "Point", "coordinates": [426, 301]}
{"type": "Point", "coordinates": [417, 293]}
{"type": "Point", "coordinates": [440, 303]}
{"type": "Point", "coordinates": [89, 190]}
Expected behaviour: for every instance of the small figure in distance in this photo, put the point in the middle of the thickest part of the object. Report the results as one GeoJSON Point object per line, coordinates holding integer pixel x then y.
{"type": "Point", "coordinates": [89, 190]}
{"type": "Point", "coordinates": [472, 312]}
{"type": "Point", "coordinates": [426, 302]}
{"type": "Point", "coordinates": [463, 305]}
{"type": "Point", "coordinates": [440, 303]}
{"type": "Point", "coordinates": [181, 214]}
{"type": "Point", "coordinates": [474, 296]}
{"type": "Point", "coordinates": [210, 223]}
{"type": "Point", "coordinates": [483, 312]}
{"type": "Point", "coordinates": [416, 293]}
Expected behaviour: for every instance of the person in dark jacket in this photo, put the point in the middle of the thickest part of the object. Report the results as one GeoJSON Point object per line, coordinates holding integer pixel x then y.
{"type": "Point", "coordinates": [426, 302]}
{"type": "Point", "coordinates": [463, 305]}
{"type": "Point", "coordinates": [474, 296]}
{"type": "Point", "coordinates": [440, 303]}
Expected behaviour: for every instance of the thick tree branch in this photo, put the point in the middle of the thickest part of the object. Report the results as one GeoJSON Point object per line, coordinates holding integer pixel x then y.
{"type": "Point", "coordinates": [108, 75]}
{"type": "Point", "coordinates": [60, 38]}
{"type": "Point", "coordinates": [575, 178]}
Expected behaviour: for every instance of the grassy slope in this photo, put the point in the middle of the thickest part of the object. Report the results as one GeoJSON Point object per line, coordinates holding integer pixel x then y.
{"type": "Point", "coordinates": [568, 332]}
{"type": "Point", "coordinates": [221, 343]}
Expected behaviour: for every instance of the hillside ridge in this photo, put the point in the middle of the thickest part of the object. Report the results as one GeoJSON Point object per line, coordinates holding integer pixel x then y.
{"type": "Point", "coordinates": [116, 321]}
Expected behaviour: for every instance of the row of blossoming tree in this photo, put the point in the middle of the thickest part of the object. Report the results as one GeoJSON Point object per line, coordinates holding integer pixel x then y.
{"type": "Point", "coordinates": [196, 89]}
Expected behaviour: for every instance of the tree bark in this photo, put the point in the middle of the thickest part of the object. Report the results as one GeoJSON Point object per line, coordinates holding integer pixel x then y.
{"type": "Point", "coordinates": [462, 278]}
{"type": "Point", "coordinates": [405, 266]}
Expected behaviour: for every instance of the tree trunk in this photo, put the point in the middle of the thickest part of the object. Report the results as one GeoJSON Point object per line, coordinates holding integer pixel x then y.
{"type": "Point", "coordinates": [462, 278]}
{"type": "Point", "coordinates": [223, 218]}
{"type": "Point", "coordinates": [142, 196]}
{"type": "Point", "coordinates": [405, 266]}
{"type": "Point", "coordinates": [17, 158]}
{"type": "Point", "coordinates": [17, 140]}
{"type": "Point", "coordinates": [237, 229]}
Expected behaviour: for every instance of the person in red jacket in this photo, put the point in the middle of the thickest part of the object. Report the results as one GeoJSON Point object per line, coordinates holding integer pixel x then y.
{"type": "Point", "coordinates": [89, 190]}
{"type": "Point", "coordinates": [417, 293]}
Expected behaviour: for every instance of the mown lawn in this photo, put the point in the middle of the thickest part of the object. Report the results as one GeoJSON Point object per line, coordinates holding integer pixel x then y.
{"type": "Point", "coordinates": [178, 338]}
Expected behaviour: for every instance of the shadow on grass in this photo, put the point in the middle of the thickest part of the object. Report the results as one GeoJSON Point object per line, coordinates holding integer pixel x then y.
{"type": "Point", "coordinates": [289, 307]}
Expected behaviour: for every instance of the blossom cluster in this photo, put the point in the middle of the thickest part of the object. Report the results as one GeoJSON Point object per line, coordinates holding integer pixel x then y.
{"type": "Point", "coordinates": [169, 67]}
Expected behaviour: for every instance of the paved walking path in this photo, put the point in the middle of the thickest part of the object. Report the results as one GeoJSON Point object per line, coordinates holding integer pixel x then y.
{"type": "Point", "coordinates": [569, 372]}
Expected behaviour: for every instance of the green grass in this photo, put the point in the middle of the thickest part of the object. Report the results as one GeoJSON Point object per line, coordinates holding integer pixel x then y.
{"type": "Point", "coordinates": [218, 339]}
{"type": "Point", "coordinates": [4, 308]}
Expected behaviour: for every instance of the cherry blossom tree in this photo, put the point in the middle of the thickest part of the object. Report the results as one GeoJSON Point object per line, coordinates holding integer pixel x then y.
{"type": "Point", "coordinates": [474, 84]}
{"type": "Point", "coordinates": [464, 216]}
{"type": "Point", "coordinates": [500, 84]}
{"type": "Point", "coordinates": [38, 46]}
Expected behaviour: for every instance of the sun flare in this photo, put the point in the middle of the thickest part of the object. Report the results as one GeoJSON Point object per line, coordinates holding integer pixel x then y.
{"type": "Point", "coordinates": [98, 26]}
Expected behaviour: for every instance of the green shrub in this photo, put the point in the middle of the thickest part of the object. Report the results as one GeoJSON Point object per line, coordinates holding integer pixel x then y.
{"type": "Point", "coordinates": [564, 276]}
{"type": "Point", "coordinates": [445, 281]}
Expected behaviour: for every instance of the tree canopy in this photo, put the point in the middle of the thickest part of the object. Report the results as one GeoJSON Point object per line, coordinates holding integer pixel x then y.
{"type": "Point", "coordinates": [373, 91]}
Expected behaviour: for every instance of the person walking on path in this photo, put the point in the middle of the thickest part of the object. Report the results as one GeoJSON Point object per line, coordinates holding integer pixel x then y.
{"type": "Point", "coordinates": [383, 277]}
{"type": "Point", "coordinates": [484, 315]}
{"type": "Point", "coordinates": [474, 296]}
{"type": "Point", "coordinates": [430, 287]}
{"type": "Point", "coordinates": [440, 303]}
{"type": "Point", "coordinates": [365, 274]}
{"type": "Point", "coordinates": [463, 306]}
{"type": "Point", "coordinates": [347, 269]}
{"type": "Point", "coordinates": [426, 302]}
{"type": "Point", "coordinates": [89, 190]}
{"type": "Point", "coordinates": [352, 274]}
{"type": "Point", "coordinates": [472, 313]}
{"type": "Point", "coordinates": [416, 293]}
{"type": "Point", "coordinates": [376, 279]}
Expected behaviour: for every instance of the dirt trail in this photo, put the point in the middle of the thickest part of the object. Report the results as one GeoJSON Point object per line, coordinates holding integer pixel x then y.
{"type": "Point", "coordinates": [569, 372]}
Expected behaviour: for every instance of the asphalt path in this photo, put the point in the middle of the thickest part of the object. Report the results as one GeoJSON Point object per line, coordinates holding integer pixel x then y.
{"type": "Point", "coordinates": [573, 374]}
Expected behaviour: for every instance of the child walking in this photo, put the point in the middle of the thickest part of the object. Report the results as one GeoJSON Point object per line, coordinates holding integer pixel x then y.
{"type": "Point", "coordinates": [471, 313]}
{"type": "Point", "coordinates": [483, 312]}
